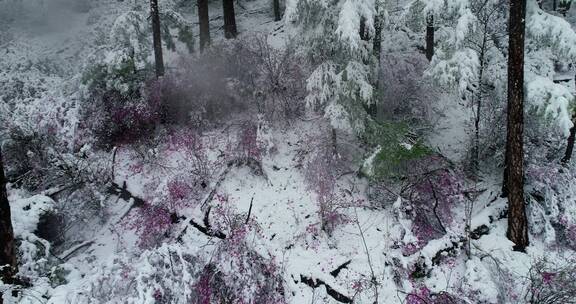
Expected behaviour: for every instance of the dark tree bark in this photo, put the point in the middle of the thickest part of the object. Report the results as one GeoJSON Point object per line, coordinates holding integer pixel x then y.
{"type": "Point", "coordinates": [157, 38]}
{"type": "Point", "coordinates": [276, 5]}
{"type": "Point", "coordinates": [505, 179]}
{"type": "Point", "coordinates": [571, 138]}
{"type": "Point", "coordinates": [554, 5]}
{"type": "Point", "coordinates": [8, 264]}
{"type": "Point", "coordinates": [570, 144]}
{"type": "Point", "coordinates": [430, 36]}
{"type": "Point", "coordinates": [377, 46]}
{"type": "Point", "coordinates": [517, 221]}
{"type": "Point", "coordinates": [364, 35]}
{"type": "Point", "coordinates": [204, 21]}
{"type": "Point", "coordinates": [230, 30]}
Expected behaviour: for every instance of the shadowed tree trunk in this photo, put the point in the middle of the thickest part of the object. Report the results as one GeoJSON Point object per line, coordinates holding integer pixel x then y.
{"type": "Point", "coordinates": [277, 15]}
{"type": "Point", "coordinates": [429, 36]}
{"type": "Point", "coordinates": [364, 34]}
{"type": "Point", "coordinates": [229, 19]}
{"type": "Point", "coordinates": [517, 222]}
{"type": "Point", "coordinates": [571, 138]}
{"type": "Point", "coordinates": [377, 46]}
{"type": "Point", "coordinates": [156, 36]}
{"type": "Point", "coordinates": [8, 266]}
{"type": "Point", "coordinates": [204, 21]}
{"type": "Point", "coordinates": [570, 144]}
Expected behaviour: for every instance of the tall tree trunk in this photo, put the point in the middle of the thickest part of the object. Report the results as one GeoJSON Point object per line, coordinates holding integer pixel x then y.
{"type": "Point", "coordinates": [204, 21]}
{"type": "Point", "coordinates": [505, 178]}
{"type": "Point", "coordinates": [517, 221]}
{"type": "Point", "coordinates": [8, 266]}
{"type": "Point", "coordinates": [277, 15]}
{"type": "Point", "coordinates": [571, 138]}
{"type": "Point", "coordinates": [554, 6]}
{"type": "Point", "coordinates": [377, 46]}
{"type": "Point", "coordinates": [570, 144]}
{"type": "Point", "coordinates": [229, 19]}
{"type": "Point", "coordinates": [157, 38]}
{"type": "Point", "coordinates": [364, 34]}
{"type": "Point", "coordinates": [430, 36]}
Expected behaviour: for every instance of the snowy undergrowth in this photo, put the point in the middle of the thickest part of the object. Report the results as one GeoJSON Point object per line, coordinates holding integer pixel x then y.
{"type": "Point", "coordinates": [272, 238]}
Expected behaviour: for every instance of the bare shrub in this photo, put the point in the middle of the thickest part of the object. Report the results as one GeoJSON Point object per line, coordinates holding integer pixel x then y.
{"type": "Point", "coordinates": [552, 282]}
{"type": "Point", "coordinates": [405, 93]}
{"type": "Point", "coordinates": [243, 76]}
{"type": "Point", "coordinates": [280, 79]}
{"type": "Point", "coordinates": [330, 156]}
{"type": "Point", "coordinates": [116, 108]}
{"type": "Point", "coordinates": [236, 272]}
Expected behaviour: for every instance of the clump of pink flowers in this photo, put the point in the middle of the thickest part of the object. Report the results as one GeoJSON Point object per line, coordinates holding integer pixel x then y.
{"type": "Point", "coordinates": [150, 223]}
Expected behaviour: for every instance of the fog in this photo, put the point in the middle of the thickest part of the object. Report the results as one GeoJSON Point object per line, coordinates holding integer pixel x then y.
{"type": "Point", "coordinates": [41, 17]}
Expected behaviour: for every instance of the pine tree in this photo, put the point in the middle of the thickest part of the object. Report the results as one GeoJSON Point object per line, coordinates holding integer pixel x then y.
{"type": "Point", "coordinates": [230, 30]}
{"type": "Point", "coordinates": [203, 19]}
{"type": "Point", "coordinates": [157, 37]}
{"type": "Point", "coordinates": [8, 266]}
{"type": "Point", "coordinates": [564, 6]}
{"type": "Point", "coordinates": [339, 40]}
{"type": "Point", "coordinates": [517, 221]}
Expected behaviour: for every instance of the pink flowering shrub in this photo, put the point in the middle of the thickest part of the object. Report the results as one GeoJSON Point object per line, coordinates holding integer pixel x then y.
{"type": "Point", "coordinates": [409, 249]}
{"type": "Point", "coordinates": [543, 175]}
{"type": "Point", "coordinates": [188, 143]}
{"type": "Point", "coordinates": [237, 273]}
{"type": "Point", "coordinates": [116, 117]}
{"type": "Point", "coordinates": [571, 235]}
{"type": "Point", "coordinates": [552, 282]}
{"type": "Point", "coordinates": [151, 223]}
{"type": "Point", "coordinates": [204, 285]}
{"type": "Point", "coordinates": [423, 295]}
{"type": "Point", "coordinates": [419, 296]}
{"type": "Point", "coordinates": [321, 174]}
{"type": "Point", "coordinates": [325, 157]}
{"type": "Point", "coordinates": [183, 192]}
{"type": "Point", "coordinates": [434, 196]}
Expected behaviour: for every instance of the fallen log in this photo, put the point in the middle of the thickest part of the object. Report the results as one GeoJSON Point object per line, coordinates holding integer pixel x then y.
{"type": "Point", "coordinates": [314, 283]}
{"type": "Point", "coordinates": [123, 193]}
{"type": "Point", "coordinates": [336, 271]}
{"type": "Point", "coordinates": [253, 164]}
{"type": "Point", "coordinates": [207, 229]}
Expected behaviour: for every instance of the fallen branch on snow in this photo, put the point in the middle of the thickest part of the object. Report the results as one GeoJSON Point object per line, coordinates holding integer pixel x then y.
{"type": "Point", "coordinates": [336, 271]}
{"type": "Point", "coordinates": [314, 283]}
